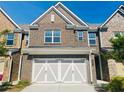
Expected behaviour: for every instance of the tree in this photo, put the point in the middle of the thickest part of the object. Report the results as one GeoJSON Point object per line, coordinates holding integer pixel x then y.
{"type": "Point", "coordinates": [3, 49]}
{"type": "Point", "coordinates": [118, 47]}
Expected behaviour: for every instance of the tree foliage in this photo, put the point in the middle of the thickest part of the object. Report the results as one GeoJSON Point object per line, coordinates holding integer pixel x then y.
{"type": "Point", "coordinates": [118, 48]}
{"type": "Point", "coordinates": [3, 49]}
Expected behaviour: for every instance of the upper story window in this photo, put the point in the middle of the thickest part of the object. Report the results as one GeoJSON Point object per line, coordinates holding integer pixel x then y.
{"type": "Point", "coordinates": [10, 39]}
{"type": "Point", "coordinates": [80, 35]}
{"type": "Point", "coordinates": [92, 38]}
{"type": "Point", "coordinates": [52, 36]}
{"type": "Point", "coordinates": [26, 38]}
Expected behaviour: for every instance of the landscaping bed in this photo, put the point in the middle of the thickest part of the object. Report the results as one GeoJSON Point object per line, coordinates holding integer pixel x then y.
{"type": "Point", "coordinates": [115, 85]}
{"type": "Point", "coordinates": [13, 88]}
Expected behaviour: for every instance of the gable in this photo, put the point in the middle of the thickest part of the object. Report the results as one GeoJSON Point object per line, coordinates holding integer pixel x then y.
{"type": "Point", "coordinates": [6, 22]}
{"type": "Point", "coordinates": [55, 12]}
{"type": "Point", "coordinates": [116, 22]}
{"type": "Point", "coordinates": [46, 19]}
{"type": "Point", "coordinates": [120, 11]}
{"type": "Point", "coordinates": [70, 15]}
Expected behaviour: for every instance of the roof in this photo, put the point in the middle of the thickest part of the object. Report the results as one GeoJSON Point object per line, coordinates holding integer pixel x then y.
{"type": "Point", "coordinates": [56, 10]}
{"type": "Point", "coordinates": [9, 18]}
{"type": "Point", "coordinates": [70, 12]}
{"type": "Point", "coordinates": [120, 9]}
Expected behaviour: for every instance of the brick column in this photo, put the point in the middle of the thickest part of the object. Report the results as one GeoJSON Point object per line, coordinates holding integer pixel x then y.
{"type": "Point", "coordinates": [93, 69]}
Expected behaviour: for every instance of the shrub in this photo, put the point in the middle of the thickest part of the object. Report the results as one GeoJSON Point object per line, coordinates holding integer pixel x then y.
{"type": "Point", "coordinates": [5, 86]}
{"type": "Point", "coordinates": [116, 84]}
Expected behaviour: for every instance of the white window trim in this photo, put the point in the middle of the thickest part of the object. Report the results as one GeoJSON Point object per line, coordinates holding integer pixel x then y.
{"type": "Point", "coordinates": [92, 39]}
{"type": "Point", "coordinates": [10, 39]}
{"type": "Point", "coordinates": [52, 37]}
{"type": "Point", "coordinates": [80, 36]}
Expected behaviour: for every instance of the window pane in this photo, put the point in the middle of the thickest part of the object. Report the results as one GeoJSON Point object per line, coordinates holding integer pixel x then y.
{"type": "Point", "coordinates": [56, 33]}
{"type": "Point", "coordinates": [9, 42]}
{"type": "Point", "coordinates": [10, 36]}
{"type": "Point", "coordinates": [48, 39]}
{"type": "Point", "coordinates": [80, 38]}
{"type": "Point", "coordinates": [56, 39]}
{"type": "Point", "coordinates": [80, 34]}
{"type": "Point", "coordinates": [92, 35]}
{"type": "Point", "coordinates": [92, 42]}
{"type": "Point", "coordinates": [48, 33]}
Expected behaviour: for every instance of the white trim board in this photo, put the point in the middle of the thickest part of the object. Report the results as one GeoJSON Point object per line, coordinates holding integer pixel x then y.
{"type": "Point", "coordinates": [9, 18]}
{"type": "Point", "coordinates": [52, 8]}
{"type": "Point", "coordinates": [112, 15]}
{"type": "Point", "coordinates": [69, 11]}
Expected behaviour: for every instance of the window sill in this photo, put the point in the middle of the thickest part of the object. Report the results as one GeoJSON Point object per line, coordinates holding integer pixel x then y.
{"type": "Point", "coordinates": [93, 45]}
{"type": "Point", "coordinates": [9, 45]}
{"type": "Point", "coordinates": [52, 43]}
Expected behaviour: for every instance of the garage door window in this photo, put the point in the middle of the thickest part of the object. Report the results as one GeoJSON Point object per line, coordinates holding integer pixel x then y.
{"type": "Point", "coordinates": [52, 36]}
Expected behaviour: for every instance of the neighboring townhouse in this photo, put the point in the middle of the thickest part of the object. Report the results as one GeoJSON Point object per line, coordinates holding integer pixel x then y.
{"type": "Point", "coordinates": [112, 26]}
{"type": "Point", "coordinates": [58, 47]}
{"type": "Point", "coordinates": [9, 64]}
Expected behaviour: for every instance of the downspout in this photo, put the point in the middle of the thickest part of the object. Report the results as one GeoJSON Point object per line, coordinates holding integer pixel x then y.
{"type": "Point", "coordinates": [20, 63]}
{"type": "Point", "coordinates": [100, 62]}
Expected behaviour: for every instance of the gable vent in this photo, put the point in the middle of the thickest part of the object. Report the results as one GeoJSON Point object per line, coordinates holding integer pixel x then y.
{"type": "Point", "coordinates": [52, 17]}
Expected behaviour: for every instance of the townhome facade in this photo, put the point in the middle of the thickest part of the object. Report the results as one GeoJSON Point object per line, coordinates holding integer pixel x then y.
{"type": "Point", "coordinates": [58, 47]}
{"type": "Point", "coordinates": [112, 26]}
{"type": "Point", "coordinates": [13, 44]}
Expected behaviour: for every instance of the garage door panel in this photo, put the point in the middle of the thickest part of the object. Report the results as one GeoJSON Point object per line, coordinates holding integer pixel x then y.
{"type": "Point", "coordinates": [82, 69]}
{"type": "Point", "coordinates": [67, 77]}
{"type": "Point", "coordinates": [39, 73]}
{"type": "Point", "coordinates": [38, 67]}
{"type": "Point", "coordinates": [64, 69]}
{"type": "Point", "coordinates": [54, 67]}
{"type": "Point", "coordinates": [40, 78]}
{"type": "Point", "coordinates": [50, 76]}
{"type": "Point", "coordinates": [78, 76]}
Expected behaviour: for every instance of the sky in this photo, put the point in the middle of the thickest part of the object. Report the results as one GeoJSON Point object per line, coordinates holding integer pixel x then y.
{"type": "Point", "coordinates": [91, 12]}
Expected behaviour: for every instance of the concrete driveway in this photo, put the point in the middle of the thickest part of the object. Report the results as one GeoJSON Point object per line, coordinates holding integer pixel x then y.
{"type": "Point", "coordinates": [59, 88]}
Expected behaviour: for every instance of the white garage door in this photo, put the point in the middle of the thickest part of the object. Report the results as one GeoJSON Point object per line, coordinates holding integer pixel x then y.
{"type": "Point", "coordinates": [59, 71]}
